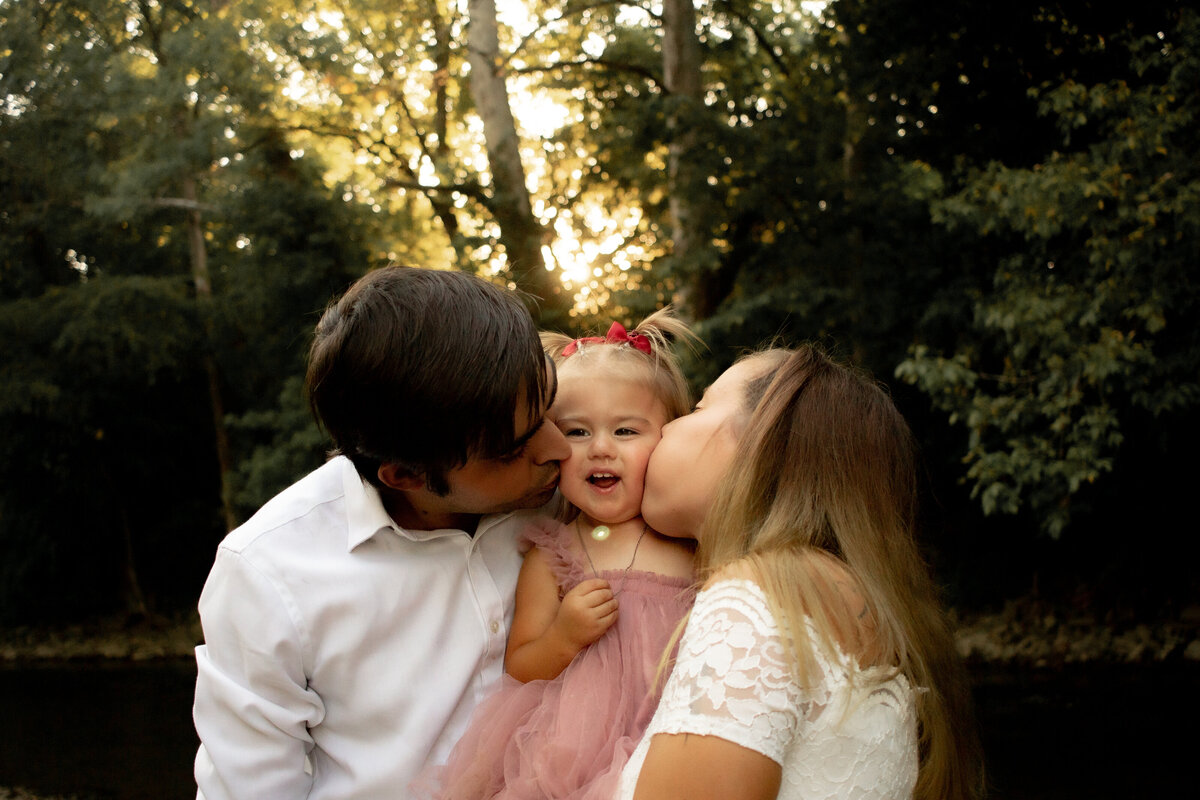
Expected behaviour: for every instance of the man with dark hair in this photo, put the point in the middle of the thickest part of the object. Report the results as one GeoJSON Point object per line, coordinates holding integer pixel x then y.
{"type": "Point", "coordinates": [354, 622]}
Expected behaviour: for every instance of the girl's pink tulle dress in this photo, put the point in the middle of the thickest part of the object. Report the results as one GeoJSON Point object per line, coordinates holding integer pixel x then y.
{"type": "Point", "coordinates": [568, 738]}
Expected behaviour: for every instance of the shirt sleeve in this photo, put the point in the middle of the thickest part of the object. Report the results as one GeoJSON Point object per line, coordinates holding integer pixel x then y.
{"type": "Point", "coordinates": [253, 707]}
{"type": "Point", "coordinates": [732, 677]}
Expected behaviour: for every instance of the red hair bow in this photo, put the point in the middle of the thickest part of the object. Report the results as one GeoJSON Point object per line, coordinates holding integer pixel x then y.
{"type": "Point", "coordinates": [616, 335]}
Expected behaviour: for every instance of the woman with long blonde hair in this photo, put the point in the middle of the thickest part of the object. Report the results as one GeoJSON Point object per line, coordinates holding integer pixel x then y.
{"type": "Point", "coordinates": [817, 662]}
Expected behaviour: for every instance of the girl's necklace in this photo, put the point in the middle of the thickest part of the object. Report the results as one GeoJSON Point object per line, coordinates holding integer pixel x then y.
{"type": "Point", "coordinates": [588, 555]}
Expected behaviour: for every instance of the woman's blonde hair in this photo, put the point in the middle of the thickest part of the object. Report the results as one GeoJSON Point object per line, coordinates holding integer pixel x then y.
{"type": "Point", "coordinates": [659, 368]}
{"type": "Point", "coordinates": [826, 470]}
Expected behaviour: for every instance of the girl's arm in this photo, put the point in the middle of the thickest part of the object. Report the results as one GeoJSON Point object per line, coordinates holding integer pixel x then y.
{"type": "Point", "coordinates": [696, 767]}
{"type": "Point", "coordinates": [547, 633]}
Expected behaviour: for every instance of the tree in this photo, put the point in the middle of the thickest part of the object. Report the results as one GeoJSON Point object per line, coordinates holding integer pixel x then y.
{"type": "Point", "coordinates": [105, 380]}
{"type": "Point", "coordinates": [419, 127]}
{"type": "Point", "coordinates": [692, 256]}
{"type": "Point", "coordinates": [710, 122]}
{"type": "Point", "coordinates": [1087, 327]}
{"type": "Point", "coordinates": [99, 415]}
{"type": "Point", "coordinates": [521, 234]}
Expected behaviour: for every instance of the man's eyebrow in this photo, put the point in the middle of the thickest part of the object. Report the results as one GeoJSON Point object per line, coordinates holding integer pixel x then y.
{"type": "Point", "coordinates": [519, 443]}
{"type": "Point", "coordinates": [550, 395]}
{"type": "Point", "coordinates": [522, 440]}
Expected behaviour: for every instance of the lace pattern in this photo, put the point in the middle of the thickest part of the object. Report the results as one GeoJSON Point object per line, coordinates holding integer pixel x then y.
{"type": "Point", "coordinates": [852, 733]}
{"type": "Point", "coordinates": [734, 682]}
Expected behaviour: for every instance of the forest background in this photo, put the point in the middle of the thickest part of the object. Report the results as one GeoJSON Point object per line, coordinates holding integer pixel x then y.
{"type": "Point", "coordinates": [991, 206]}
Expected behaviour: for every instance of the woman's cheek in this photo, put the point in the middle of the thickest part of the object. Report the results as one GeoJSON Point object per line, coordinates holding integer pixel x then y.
{"type": "Point", "coordinates": [657, 499]}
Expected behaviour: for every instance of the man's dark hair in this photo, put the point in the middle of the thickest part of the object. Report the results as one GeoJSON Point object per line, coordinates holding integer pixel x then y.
{"type": "Point", "coordinates": [424, 368]}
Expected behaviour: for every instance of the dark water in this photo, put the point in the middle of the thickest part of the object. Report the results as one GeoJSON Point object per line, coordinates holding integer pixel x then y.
{"type": "Point", "coordinates": [104, 731]}
{"type": "Point", "coordinates": [125, 732]}
{"type": "Point", "coordinates": [1090, 732]}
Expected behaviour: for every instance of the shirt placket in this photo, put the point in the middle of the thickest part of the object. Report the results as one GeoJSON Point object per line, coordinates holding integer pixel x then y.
{"type": "Point", "coordinates": [491, 611]}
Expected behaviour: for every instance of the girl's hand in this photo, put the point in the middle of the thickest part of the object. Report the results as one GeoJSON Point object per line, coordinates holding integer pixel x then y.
{"type": "Point", "coordinates": [548, 632]}
{"type": "Point", "coordinates": [586, 612]}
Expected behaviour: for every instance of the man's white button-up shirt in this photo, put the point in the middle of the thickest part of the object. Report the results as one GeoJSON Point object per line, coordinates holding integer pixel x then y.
{"type": "Point", "coordinates": [343, 653]}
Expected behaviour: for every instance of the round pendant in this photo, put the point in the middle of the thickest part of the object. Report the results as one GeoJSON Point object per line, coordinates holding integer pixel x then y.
{"type": "Point", "coordinates": [600, 533]}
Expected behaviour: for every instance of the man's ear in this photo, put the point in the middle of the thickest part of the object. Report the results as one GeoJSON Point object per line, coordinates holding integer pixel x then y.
{"type": "Point", "coordinates": [399, 477]}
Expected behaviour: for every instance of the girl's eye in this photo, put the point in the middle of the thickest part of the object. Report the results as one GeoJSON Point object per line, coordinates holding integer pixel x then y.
{"type": "Point", "coordinates": [626, 432]}
{"type": "Point", "coordinates": [575, 432]}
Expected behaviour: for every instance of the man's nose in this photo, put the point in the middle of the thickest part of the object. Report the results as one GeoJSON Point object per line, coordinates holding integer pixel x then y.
{"type": "Point", "coordinates": [549, 444]}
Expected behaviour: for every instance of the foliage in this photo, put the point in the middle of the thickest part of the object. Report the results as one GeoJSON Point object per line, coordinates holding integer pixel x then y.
{"type": "Point", "coordinates": [291, 445]}
{"type": "Point", "coordinates": [604, 185]}
{"type": "Point", "coordinates": [108, 402]}
{"type": "Point", "coordinates": [994, 204]}
{"type": "Point", "coordinates": [101, 433]}
{"type": "Point", "coordinates": [1090, 315]}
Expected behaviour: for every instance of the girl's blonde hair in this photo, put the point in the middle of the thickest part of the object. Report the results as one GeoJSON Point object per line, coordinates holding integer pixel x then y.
{"type": "Point", "coordinates": [659, 368]}
{"type": "Point", "coordinates": [826, 469]}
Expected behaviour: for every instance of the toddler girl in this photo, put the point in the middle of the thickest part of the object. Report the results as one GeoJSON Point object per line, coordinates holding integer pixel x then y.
{"type": "Point", "coordinates": [599, 594]}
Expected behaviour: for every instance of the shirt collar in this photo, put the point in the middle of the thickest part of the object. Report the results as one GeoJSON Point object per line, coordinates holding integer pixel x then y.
{"type": "Point", "coordinates": [366, 515]}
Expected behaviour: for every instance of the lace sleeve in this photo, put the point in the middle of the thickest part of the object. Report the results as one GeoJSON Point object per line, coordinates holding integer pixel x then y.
{"type": "Point", "coordinates": [732, 678]}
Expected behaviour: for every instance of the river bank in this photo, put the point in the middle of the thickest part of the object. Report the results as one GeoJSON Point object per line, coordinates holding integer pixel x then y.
{"type": "Point", "coordinates": [111, 638]}
{"type": "Point", "coordinates": [118, 729]}
{"type": "Point", "coordinates": [103, 711]}
{"type": "Point", "coordinates": [1023, 633]}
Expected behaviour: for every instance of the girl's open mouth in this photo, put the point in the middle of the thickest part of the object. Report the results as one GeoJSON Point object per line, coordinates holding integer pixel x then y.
{"type": "Point", "coordinates": [603, 480]}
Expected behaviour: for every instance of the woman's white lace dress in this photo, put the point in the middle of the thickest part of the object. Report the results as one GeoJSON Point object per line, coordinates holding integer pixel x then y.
{"type": "Point", "coordinates": [732, 679]}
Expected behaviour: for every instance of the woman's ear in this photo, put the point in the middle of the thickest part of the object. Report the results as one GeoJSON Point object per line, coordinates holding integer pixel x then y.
{"type": "Point", "coordinates": [399, 477]}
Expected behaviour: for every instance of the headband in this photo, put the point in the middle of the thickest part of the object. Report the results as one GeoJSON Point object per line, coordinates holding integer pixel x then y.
{"type": "Point", "coordinates": [616, 335]}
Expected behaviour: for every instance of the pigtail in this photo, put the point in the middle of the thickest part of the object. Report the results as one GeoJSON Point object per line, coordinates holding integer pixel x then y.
{"type": "Point", "coordinates": [650, 344]}
{"type": "Point", "coordinates": [664, 329]}
{"type": "Point", "coordinates": [554, 343]}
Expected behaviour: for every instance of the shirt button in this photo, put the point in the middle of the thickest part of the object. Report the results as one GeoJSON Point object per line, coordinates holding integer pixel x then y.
{"type": "Point", "coordinates": [495, 626]}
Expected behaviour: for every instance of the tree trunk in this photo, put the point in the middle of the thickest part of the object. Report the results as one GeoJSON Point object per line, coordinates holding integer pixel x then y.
{"type": "Point", "coordinates": [135, 598]}
{"type": "Point", "coordinates": [198, 256]}
{"type": "Point", "coordinates": [520, 233]}
{"type": "Point", "coordinates": [702, 281]}
{"type": "Point", "coordinates": [851, 174]}
{"type": "Point", "coordinates": [443, 207]}
{"type": "Point", "coordinates": [132, 596]}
